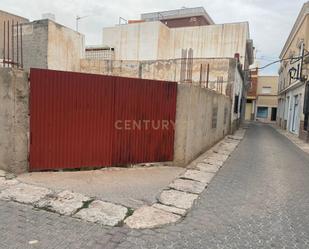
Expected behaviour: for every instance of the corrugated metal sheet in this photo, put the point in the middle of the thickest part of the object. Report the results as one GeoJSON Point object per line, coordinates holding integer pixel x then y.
{"type": "Point", "coordinates": [73, 120]}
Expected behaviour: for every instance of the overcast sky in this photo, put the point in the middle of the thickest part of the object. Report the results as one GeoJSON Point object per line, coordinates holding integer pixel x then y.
{"type": "Point", "coordinates": [270, 20]}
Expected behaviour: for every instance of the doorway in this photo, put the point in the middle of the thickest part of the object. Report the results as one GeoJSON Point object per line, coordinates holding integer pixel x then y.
{"type": "Point", "coordinates": [295, 114]}
{"type": "Point", "coordinates": [273, 114]}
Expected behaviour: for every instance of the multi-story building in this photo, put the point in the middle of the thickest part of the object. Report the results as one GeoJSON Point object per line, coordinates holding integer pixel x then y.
{"type": "Point", "coordinates": [185, 17]}
{"type": "Point", "coordinates": [266, 98]}
{"type": "Point", "coordinates": [251, 95]}
{"type": "Point", "coordinates": [293, 78]}
{"type": "Point", "coordinates": [181, 45]}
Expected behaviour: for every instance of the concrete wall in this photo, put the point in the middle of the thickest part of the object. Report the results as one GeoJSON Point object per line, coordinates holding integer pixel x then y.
{"type": "Point", "coordinates": [14, 120]}
{"type": "Point", "coordinates": [50, 45]}
{"type": "Point", "coordinates": [203, 117]}
{"type": "Point", "coordinates": [194, 121]}
{"type": "Point", "coordinates": [134, 41]}
{"type": "Point", "coordinates": [169, 70]}
{"type": "Point", "coordinates": [155, 41]}
{"type": "Point", "coordinates": [65, 48]}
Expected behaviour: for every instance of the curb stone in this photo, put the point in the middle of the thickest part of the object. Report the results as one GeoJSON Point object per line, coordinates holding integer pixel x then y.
{"type": "Point", "coordinates": [64, 203]}
{"type": "Point", "coordinates": [170, 209]}
{"type": "Point", "coordinates": [150, 217]}
{"type": "Point", "coordinates": [189, 186]}
{"type": "Point", "coordinates": [201, 171]}
{"type": "Point", "coordinates": [104, 213]}
{"type": "Point", "coordinates": [174, 202]}
{"type": "Point", "coordinates": [177, 198]}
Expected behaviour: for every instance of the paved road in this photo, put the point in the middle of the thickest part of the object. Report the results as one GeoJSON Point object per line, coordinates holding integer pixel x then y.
{"type": "Point", "coordinates": [259, 199]}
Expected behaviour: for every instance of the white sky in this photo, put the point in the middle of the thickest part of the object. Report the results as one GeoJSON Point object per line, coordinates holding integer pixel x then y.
{"type": "Point", "coordinates": [270, 20]}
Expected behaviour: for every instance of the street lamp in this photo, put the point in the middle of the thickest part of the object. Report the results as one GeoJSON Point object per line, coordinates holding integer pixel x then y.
{"type": "Point", "coordinates": [77, 20]}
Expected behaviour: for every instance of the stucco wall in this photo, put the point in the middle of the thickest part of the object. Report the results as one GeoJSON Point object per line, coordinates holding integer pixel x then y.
{"type": "Point", "coordinates": [169, 70]}
{"type": "Point", "coordinates": [14, 120]}
{"type": "Point", "coordinates": [65, 48]}
{"type": "Point", "coordinates": [134, 41]}
{"type": "Point", "coordinates": [271, 101]}
{"type": "Point", "coordinates": [268, 81]}
{"type": "Point", "coordinates": [49, 45]}
{"type": "Point", "coordinates": [194, 132]}
{"type": "Point", "coordinates": [155, 41]}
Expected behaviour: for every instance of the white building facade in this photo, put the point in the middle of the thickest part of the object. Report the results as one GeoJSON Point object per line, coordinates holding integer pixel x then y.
{"type": "Point", "coordinates": [293, 77]}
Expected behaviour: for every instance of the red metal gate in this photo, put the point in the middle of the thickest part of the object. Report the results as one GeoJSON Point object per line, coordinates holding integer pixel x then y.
{"type": "Point", "coordinates": [82, 120]}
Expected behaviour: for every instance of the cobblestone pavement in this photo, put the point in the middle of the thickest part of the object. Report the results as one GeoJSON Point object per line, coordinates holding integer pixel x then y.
{"type": "Point", "coordinates": [259, 199]}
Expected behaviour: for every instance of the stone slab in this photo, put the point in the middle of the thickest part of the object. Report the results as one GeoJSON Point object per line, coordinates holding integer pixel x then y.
{"type": "Point", "coordinates": [213, 161]}
{"type": "Point", "coordinates": [170, 209]}
{"type": "Point", "coordinates": [104, 213]}
{"type": "Point", "coordinates": [231, 142]}
{"type": "Point", "coordinates": [65, 202]}
{"type": "Point", "coordinates": [24, 193]}
{"type": "Point", "coordinates": [4, 184]}
{"type": "Point", "coordinates": [235, 137]}
{"type": "Point", "coordinates": [177, 198]}
{"type": "Point", "coordinates": [218, 157]}
{"type": "Point", "coordinates": [198, 175]}
{"type": "Point", "coordinates": [2, 173]}
{"type": "Point", "coordinates": [208, 167]}
{"type": "Point", "coordinates": [189, 186]}
{"type": "Point", "coordinates": [150, 217]}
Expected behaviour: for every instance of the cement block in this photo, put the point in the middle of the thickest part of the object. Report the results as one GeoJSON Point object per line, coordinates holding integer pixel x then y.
{"type": "Point", "coordinates": [65, 202]}
{"type": "Point", "coordinates": [189, 186]}
{"type": "Point", "coordinates": [150, 217]}
{"type": "Point", "coordinates": [104, 213]}
{"type": "Point", "coordinates": [177, 198]}
{"type": "Point", "coordinates": [24, 193]}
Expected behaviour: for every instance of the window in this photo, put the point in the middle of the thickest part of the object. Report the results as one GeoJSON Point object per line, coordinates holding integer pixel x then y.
{"type": "Point", "coordinates": [266, 90]}
{"type": "Point", "coordinates": [262, 112]}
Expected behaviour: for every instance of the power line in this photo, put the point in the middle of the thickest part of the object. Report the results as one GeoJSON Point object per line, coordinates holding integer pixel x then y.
{"type": "Point", "coordinates": [274, 62]}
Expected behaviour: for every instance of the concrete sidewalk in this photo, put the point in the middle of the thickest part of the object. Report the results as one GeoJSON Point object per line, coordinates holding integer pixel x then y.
{"type": "Point", "coordinates": [130, 187]}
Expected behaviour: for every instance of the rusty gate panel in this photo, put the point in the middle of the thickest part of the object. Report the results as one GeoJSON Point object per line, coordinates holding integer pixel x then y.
{"type": "Point", "coordinates": [73, 119]}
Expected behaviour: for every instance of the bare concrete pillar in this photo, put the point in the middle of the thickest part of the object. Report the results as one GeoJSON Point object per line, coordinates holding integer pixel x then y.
{"type": "Point", "coordinates": [14, 120]}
